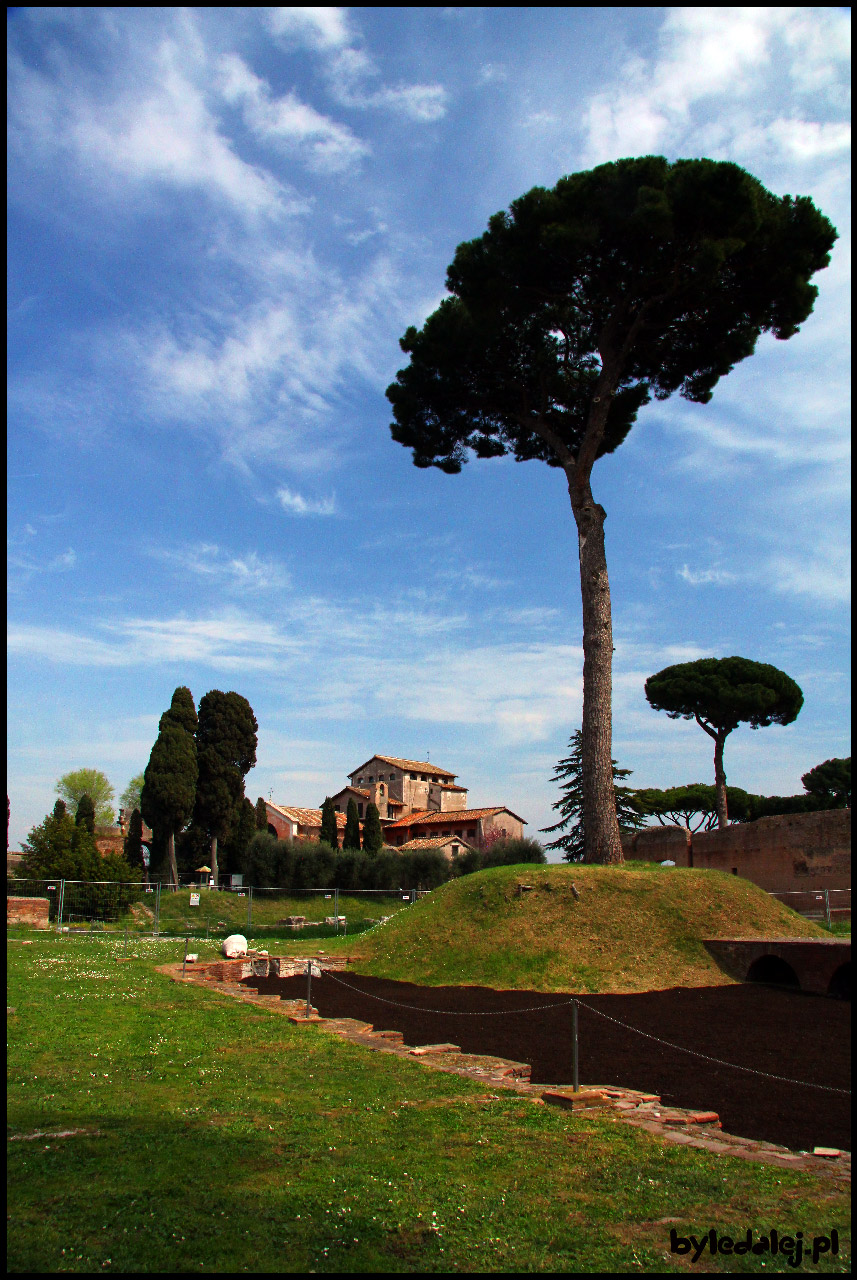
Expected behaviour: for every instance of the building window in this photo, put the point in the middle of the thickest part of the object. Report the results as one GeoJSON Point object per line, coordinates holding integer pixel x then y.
{"type": "Point", "coordinates": [471, 831]}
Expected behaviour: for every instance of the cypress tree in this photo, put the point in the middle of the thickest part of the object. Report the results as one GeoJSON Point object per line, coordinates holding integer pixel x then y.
{"type": "Point", "coordinates": [134, 840]}
{"type": "Point", "coordinates": [261, 815]}
{"type": "Point", "coordinates": [85, 816]}
{"type": "Point", "coordinates": [169, 787]}
{"type": "Point", "coordinates": [226, 750]}
{"type": "Point", "coordinates": [351, 839]}
{"type": "Point", "coordinates": [181, 711]}
{"type": "Point", "coordinates": [329, 833]}
{"type": "Point", "coordinates": [60, 810]}
{"type": "Point", "coordinates": [373, 837]}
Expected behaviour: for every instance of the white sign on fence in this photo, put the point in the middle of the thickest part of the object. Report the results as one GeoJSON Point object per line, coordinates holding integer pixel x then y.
{"type": "Point", "coordinates": [194, 899]}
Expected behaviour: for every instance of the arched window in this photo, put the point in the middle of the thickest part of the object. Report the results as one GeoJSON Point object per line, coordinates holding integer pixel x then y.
{"type": "Point", "coordinates": [381, 789]}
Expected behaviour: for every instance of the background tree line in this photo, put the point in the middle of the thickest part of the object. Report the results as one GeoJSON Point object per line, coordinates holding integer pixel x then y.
{"type": "Point", "coordinates": [312, 864]}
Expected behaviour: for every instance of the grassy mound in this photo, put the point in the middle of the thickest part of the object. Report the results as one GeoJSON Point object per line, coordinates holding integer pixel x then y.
{"type": "Point", "coordinates": [637, 927]}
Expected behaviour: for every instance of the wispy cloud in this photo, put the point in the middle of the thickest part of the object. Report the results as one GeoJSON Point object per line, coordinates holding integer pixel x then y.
{"type": "Point", "coordinates": [297, 505]}
{"type": "Point", "coordinates": [349, 67]}
{"type": "Point", "coordinates": [706, 577]}
{"type": "Point", "coordinates": [330, 147]}
{"type": "Point", "coordinates": [245, 574]}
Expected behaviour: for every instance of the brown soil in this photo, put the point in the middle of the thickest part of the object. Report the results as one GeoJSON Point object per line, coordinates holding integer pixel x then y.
{"type": "Point", "coordinates": [774, 1031]}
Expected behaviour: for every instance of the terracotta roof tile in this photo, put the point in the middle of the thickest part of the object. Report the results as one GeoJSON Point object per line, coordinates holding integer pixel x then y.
{"type": "Point", "coordinates": [432, 842]}
{"type": "Point", "coordinates": [305, 817]}
{"type": "Point", "coordinates": [422, 766]}
{"type": "Point", "coordinates": [431, 817]}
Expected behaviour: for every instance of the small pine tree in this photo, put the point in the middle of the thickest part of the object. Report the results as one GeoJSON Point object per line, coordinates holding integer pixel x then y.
{"type": "Point", "coordinates": [373, 836]}
{"type": "Point", "coordinates": [328, 834]}
{"type": "Point", "coordinates": [351, 839]}
{"type": "Point", "coordinates": [261, 815]}
{"type": "Point", "coordinates": [85, 816]}
{"type": "Point", "coordinates": [60, 809]}
{"type": "Point", "coordinates": [570, 805]}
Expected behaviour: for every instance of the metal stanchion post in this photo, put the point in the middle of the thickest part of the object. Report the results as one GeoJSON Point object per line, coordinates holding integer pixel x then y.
{"type": "Point", "coordinates": [60, 906]}
{"type": "Point", "coordinates": [158, 909]}
{"type": "Point", "coordinates": [249, 908]}
{"type": "Point", "coordinates": [827, 906]}
{"type": "Point", "coordinates": [125, 949]}
{"type": "Point", "coordinates": [574, 1075]}
{"type": "Point", "coordinates": [184, 962]}
{"type": "Point", "coordinates": [308, 987]}
{"type": "Point", "coordinates": [336, 911]}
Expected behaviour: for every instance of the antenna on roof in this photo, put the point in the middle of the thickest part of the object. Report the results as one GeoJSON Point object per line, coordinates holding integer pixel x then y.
{"type": "Point", "coordinates": [270, 793]}
{"type": "Point", "coordinates": [428, 757]}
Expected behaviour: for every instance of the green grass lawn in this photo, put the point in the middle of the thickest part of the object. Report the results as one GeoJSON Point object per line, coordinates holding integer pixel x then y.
{"type": "Point", "coordinates": [220, 913]}
{"type": "Point", "coordinates": [217, 1136]}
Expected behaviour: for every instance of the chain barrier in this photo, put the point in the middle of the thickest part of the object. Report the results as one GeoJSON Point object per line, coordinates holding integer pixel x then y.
{"type": "Point", "coordinates": [561, 1004]}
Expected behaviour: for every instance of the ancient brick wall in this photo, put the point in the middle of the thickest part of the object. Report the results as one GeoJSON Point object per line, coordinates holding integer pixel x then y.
{"type": "Point", "coordinates": [32, 911]}
{"type": "Point", "coordinates": [795, 851]}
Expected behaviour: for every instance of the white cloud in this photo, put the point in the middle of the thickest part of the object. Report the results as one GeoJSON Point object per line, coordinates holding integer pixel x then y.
{"type": "Point", "coordinates": [822, 574]}
{"type": "Point", "coordinates": [735, 55]}
{"type": "Point", "coordinates": [329, 146]}
{"type": "Point", "coordinates": [349, 67]}
{"type": "Point", "coordinates": [245, 574]}
{"type": "Point", "coordinates": [703, 577]}
{"type": "Point", "coordinates": [296, 505]}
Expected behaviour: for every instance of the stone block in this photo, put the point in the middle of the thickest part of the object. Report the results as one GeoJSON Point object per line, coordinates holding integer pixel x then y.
{"type": "Point", "coordinates": [234, 946]}
{"type": "Point", "coordinates": [31, 911]}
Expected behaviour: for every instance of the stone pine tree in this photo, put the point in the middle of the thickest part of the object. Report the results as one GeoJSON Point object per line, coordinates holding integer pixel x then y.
{"type": "Point", "coordinates": [85, 816]}
{"type": "Point", "coordinates": [351, 837]}
{"type": "Point", "coordinates": [829, 783]}
{"type": "Point", "coordinates": [170, 778]}
{"type": "Point", "coordinates": [261, 815]}
{"type": "Point", "coordinates": [721, 693]}
{"type": "Point", "coordinates": [639, 278]}
{"type": "Point", "coordinates": [226, 740]}
{"type": "Point", "coordinates": [570, 804]}
{"type": "Point", "coordinates": [373, 836]}
{"type": "Point", "coordinates": [329, 834]}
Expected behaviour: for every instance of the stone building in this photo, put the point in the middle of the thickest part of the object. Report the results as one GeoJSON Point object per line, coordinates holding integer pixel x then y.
{"type": "Point", "coordinates": [419, 803]}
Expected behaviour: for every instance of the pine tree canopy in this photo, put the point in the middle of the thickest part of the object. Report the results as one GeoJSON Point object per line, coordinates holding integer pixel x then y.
{"type": "Point", "coordinates": [830, 782]}
{"type": "Point", "coordinates": [665, 272]}
{"type": "Point", "coordinates": [722, 693]}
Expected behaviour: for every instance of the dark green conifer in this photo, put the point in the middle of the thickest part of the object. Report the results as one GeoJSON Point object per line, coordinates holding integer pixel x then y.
{"type": "Point", "coordinates": [85, 816]}
{"type": "Point", "coordinates": [261, 815]}
{"type": "Point", "coordinates": [373, 837]}
{"type": "Point", "coordinates": [329, 833]}
{"type": "Point", "coordinates": [351, 839]}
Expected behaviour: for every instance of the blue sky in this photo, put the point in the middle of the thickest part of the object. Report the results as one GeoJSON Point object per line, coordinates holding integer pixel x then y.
{"type": "Point", "coordinates": [221, 222]}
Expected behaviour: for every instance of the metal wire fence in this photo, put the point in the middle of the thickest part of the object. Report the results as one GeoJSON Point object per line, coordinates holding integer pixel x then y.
{"type": "Point", "coordinates": [199, 911]}
{"type": "Point", "coordinates": [828, 905]}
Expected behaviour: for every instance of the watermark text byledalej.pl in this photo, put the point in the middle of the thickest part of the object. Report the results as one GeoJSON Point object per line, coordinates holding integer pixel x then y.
{"type": "Point", "coordinates": [793, 1248]}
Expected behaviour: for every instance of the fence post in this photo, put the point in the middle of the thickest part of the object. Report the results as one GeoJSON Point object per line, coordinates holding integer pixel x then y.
{"type": "Point", "coordinates": [157, 928]}
{"type": "Point", "coordinates": [308, 986]}
{"type": "Point", "coordinates": [249, 908]}
{"type": "Point", "coordinates": [574, 1075]}
{"type": "Point", "coordinates": [827, 905]}
{"type": "Point", "coordinates": [60, 906]}
{"type": "Point", "coordinates": [336, 910]}
{"type": "Point", "coordinates": [184, 962]}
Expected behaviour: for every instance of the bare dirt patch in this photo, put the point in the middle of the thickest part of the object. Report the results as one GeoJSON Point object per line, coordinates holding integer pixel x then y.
{"type": "Point", "coordinates": [775, 1033]}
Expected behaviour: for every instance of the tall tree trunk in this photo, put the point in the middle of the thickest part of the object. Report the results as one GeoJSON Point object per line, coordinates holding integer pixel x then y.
{"type": "Point", "coordinates": [214, 859]}
{"type": "Point", "coordinates": [171, 854]}
{"type": "Point", "coordinates": [600, 824]}
{"type": "Point", "coordinates": [720, 782]}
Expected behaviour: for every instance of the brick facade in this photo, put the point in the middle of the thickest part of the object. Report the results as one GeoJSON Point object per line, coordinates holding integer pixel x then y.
{"type": "Point", "coordinates": [31, 911]}
{"type": "Point", "coordinates": [794, 851]}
